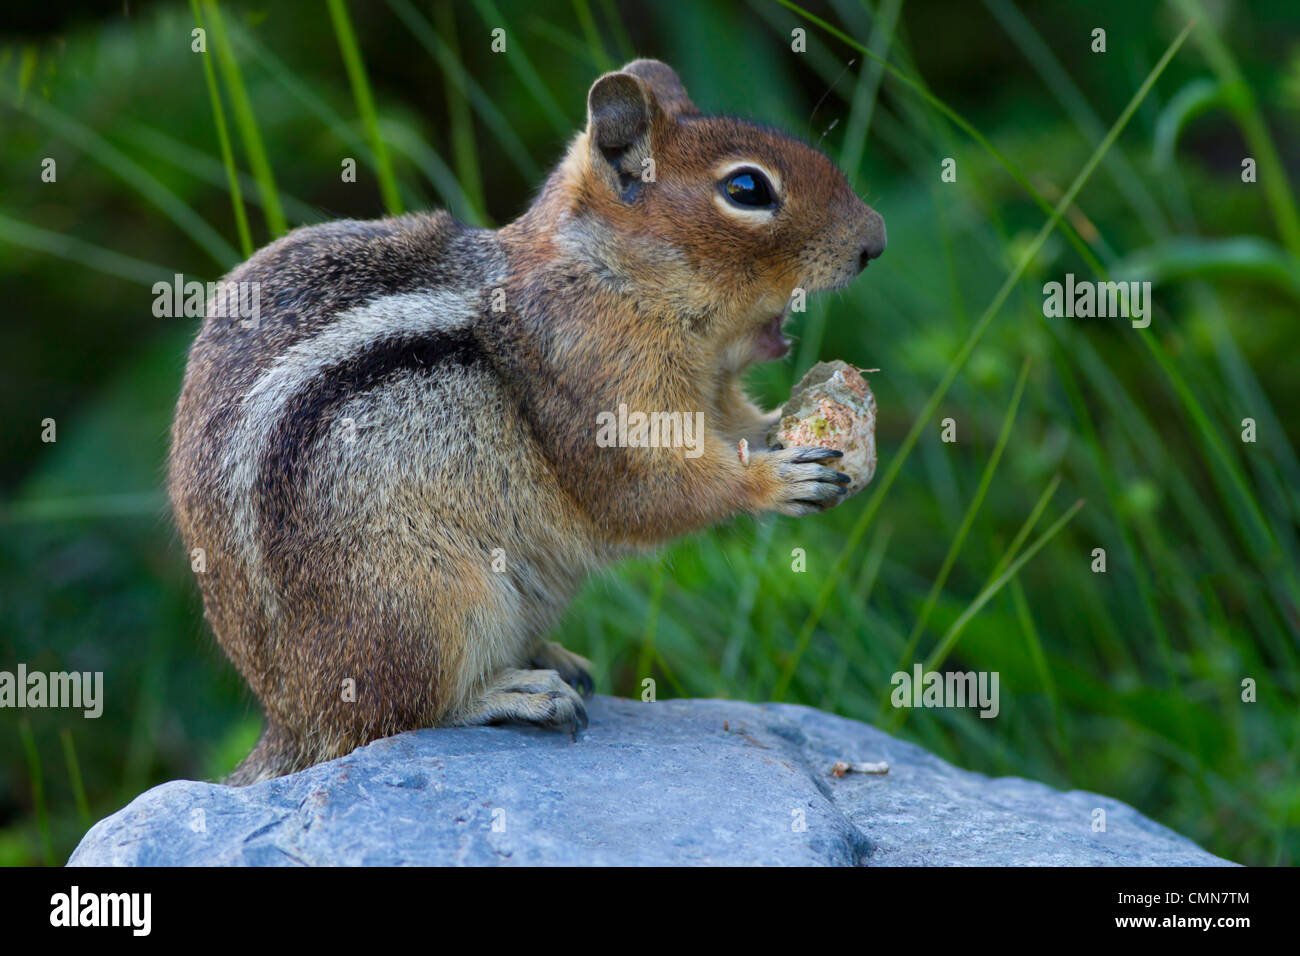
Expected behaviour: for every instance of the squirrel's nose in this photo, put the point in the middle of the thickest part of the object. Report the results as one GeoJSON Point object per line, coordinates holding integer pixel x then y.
{"type": "Point", "coordinates": [874, 242]}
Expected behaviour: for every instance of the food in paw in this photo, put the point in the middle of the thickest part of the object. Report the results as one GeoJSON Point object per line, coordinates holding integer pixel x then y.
{"type": "Point", "coordinates": [832, 407]}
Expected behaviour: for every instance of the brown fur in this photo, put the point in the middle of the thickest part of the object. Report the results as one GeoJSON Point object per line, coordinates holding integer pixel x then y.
{"type": "Point", "coordinates": [376, 560]}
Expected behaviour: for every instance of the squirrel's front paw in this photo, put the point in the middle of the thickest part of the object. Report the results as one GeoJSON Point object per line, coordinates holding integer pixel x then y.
{"type": "Point", "coordinates": [798, 484]}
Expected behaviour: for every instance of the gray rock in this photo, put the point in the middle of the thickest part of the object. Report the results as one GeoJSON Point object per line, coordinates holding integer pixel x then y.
{"type": "Point", "coordinates": [660, 783]}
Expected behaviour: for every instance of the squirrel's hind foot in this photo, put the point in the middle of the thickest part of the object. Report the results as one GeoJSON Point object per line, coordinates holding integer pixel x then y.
{"type": "Point", "coordinates": [530, 697]}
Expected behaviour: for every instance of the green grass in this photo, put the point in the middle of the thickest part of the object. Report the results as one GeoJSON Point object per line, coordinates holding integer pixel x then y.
{"type": "Point", "coordinates": [135, 176]}
{"type": "Point", "coordinates": [365, 103]}
{"type": "Point", "coordinates": [35, 774]}
{"type": "Point", "coordinates": [954, 549]}
{"type": "Point", "coordinates": [227, 154]}
{"type": "Point", "coordinates": [973, 555]}
{"type": "Point", "coordinates": [245, 118]}
{"type": "Point", "coordinates": [883, 484]}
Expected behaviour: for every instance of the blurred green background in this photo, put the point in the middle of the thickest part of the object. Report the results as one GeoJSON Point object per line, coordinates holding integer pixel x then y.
{"type": "Point", "coordinates": [1127, 682]}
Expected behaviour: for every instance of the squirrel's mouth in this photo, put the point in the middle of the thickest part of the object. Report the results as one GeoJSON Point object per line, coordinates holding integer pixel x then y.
{"type": "Point", "coordinates": [771, 343]}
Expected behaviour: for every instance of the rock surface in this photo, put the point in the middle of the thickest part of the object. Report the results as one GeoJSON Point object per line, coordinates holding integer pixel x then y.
{"type": "Point", "coordinates": [673, 782]}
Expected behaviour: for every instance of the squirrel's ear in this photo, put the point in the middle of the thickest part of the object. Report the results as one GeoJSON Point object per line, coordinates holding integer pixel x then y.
{"type": "Point", "coordinates": [664, 84]}
{"type": "Point", "coordinates": [620, 115]}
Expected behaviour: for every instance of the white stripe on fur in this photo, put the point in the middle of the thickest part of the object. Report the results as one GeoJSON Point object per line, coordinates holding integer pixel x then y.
{"type": "Point", "coordinates": [395, 316]}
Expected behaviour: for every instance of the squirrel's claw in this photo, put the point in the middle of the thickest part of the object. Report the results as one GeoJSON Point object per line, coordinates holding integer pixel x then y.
{"type": "Point", "coordinates": [815, 454]}
{"type": "Point", "coordinates": [806, 486]}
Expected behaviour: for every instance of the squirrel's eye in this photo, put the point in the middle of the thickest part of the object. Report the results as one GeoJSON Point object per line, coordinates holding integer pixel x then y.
{"type": "Point", "coordinates": [748, 187]}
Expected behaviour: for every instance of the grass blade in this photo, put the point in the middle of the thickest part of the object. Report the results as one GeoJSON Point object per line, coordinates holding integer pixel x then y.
{"type": "Point", "coordinates": [75, 250]}
{"type": "Point", "coordinates": [38, 790]}
{"type": "Point", "coordinates": [592, 35]}
{"type": "Point", "coordinates": [958, 120]}
{"type": "Point", "coordinates": [74, 778]}
{"type": "Point", "coordinates": [1274, 564]}
{"type": "Point", "coordinates": [456, 74]}
{"type": "Point", "coordinates": [1030, 523]}
{"type": "Point", "coordinates": [953, 634]}
{"type": "Point", "coordinates": [463, 147]}
{"type": "Point", "coordinates": [1067, 93]}
{"type": "Point", "coordinates": [954, 549]}
{"type": "Point", "coordinates": [200, 165]}
{"type": "Point", "coordinates": [868, 89]}
{"type": "Point", "coordinates": [1036, 654]}
{"type": "Point", "coordinates": [223, 140]}
{"type": "Point", "coordinates": [648, 650]}
{"type": "Point", "coordinates": [626, 51]}
{"type": "Point", "coordinates": [318, 107]}
{"type": "Point", "coordinates": [1237, 257]}
{"type": "Point", "coordinates": [247, 122]}
{"type": "Point", "coordinates": [527, 73]}
{"type": "Point", "coordinates": [1271, 170]}
{"type": "Point", "coordinates": [135, 176]}
{"type": "Point", "coordinates": [352, 62]}
{"type": "Point", "coordinates": [976, 333]}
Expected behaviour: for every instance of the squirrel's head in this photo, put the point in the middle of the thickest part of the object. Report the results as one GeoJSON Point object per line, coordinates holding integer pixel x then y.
{"type": "Point", "coordinates": [718, 220]}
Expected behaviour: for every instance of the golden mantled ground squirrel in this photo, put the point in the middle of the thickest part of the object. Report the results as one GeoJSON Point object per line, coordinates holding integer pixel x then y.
{"type": "Point", "coordinates": [394, 476]}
